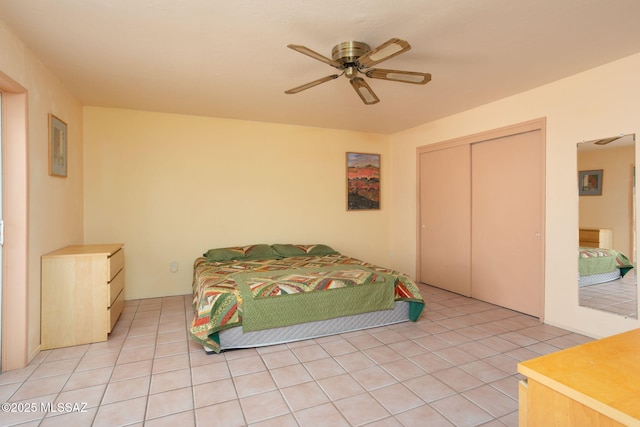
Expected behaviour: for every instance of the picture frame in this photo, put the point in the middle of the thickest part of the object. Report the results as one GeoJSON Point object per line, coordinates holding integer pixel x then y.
{"type": "Point", "coordinates": [590, 182]}
{"type": "Point", "coordinates": [57, 147]}
{"type": "Point", "coordinates": [363, 181]}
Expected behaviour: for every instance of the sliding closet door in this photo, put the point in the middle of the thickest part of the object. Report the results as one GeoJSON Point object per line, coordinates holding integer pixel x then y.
{"type": "Point", "coordinates": [507, 221]}
{"type": "Point", "coordinates": [444, 219]}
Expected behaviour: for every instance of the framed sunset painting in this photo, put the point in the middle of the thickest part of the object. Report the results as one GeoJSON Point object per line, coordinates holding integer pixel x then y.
{"type": "Point", "coordinates": [363, 181]}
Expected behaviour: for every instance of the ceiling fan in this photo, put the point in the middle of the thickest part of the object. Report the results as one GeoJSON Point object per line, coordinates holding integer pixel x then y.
{"type": "Point", "coordinates": [354, 58]}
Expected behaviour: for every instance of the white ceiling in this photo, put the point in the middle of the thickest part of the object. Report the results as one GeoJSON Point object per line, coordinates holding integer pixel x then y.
{"type": "Point", "coordinates": [229, 58]}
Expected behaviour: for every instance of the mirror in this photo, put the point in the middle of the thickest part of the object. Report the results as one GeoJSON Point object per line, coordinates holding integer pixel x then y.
{"type": "Point", "coordinates": [606, 235]}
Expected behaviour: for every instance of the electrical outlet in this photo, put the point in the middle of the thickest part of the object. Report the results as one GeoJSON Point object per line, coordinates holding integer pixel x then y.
{"type": "Point", "coordinates": [174, 266]}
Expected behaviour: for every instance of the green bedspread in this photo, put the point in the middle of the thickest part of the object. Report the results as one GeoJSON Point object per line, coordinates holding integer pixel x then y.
{"type": "Point", "coordinates": [598, 260]}
{"type": "Point", "coordinates": [287, 297]}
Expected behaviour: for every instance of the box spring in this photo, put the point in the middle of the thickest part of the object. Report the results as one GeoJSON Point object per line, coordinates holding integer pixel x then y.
{"type": "Point", "coordinates": [595, 279]}
{"type": "Point", "coordinates": [235, 338]}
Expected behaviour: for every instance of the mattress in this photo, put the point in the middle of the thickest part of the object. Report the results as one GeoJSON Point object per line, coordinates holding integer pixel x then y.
{"type": "Point", "coordinates": [234, 338]}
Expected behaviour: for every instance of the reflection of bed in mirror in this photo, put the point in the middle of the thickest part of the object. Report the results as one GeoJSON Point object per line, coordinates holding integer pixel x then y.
{"type": "Point", "coordinates": [600, 265]}
{"type": "Point", "coordinates": [605, 276]}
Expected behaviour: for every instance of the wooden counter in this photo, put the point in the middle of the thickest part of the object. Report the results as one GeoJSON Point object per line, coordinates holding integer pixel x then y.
{"type": "Point", "coordinates": [593, 384]}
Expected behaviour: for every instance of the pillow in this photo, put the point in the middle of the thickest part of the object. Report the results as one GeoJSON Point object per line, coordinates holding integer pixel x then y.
{"type": "Point", "coordinates": [242, 252]}
{"type": "Point", "coordinates": [303, 250]}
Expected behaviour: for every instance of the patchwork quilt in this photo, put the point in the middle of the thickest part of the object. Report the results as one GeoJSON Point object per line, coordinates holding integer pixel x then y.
{"type": "Point", "coordinates": [599, 260]}
{"type": "Point", "coordinates": [266, 293]}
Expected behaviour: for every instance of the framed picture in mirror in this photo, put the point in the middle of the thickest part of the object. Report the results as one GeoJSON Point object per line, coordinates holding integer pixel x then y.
{"type": "Point", "coordinates": [590, 183]}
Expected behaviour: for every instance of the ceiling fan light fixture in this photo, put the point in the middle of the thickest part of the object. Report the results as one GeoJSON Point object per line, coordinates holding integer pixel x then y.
{"type": "Point", "coordinates": [351, 72]}
{"type": "Point", "coordinates": [364, 91]}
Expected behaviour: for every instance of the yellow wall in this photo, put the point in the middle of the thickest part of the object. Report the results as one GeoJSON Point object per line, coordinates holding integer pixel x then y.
{"type": "Point", "coordinates": [595, 104]}
{"type": "Point", "coordinates": [613, 209]}
{"type": "Point", "coordinates": [54, 204]}
{"type": "Point", "coordinates": [171, 187]}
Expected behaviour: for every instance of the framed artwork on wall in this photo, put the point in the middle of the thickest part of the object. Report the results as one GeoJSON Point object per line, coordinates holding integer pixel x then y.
{"type": "Point", "coordinates": [363, 181]}
{"type": "Point", "coordinates": [590, 183]}
{"type": "Point", "coordinates": [57, 147]}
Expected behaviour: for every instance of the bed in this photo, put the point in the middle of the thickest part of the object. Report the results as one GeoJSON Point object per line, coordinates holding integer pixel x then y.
{"type": "Point", "coordinates": [600, 265]}
{"type": "Point", "coordinates": [259, 295]}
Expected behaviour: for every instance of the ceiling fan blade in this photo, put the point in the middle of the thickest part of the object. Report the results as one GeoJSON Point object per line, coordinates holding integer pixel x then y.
{"type": "Point", "coordinates": [606, 141]}
{"type": "Point", "coordinates": [311, 84]}
{"type": "Point", "coordinates": [364, 91]}
{"type": "Point", "coordinates": [399, 76]}
{"type": "Point", "coordinates": [383, 52]}
{"type": "Point", "coordinates": [315, 55]}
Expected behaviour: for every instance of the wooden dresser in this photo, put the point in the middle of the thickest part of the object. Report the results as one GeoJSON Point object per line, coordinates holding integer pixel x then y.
{"type": "Point", "coordinates": [596, 238]}
{"type": "Point", "coordinates": [82, 294]}
{"type": "Point", "coordinates": [593, 384]}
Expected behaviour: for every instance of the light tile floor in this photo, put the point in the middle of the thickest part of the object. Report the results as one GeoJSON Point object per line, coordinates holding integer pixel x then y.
{"type": "Point", "coordinates": [456, 366]}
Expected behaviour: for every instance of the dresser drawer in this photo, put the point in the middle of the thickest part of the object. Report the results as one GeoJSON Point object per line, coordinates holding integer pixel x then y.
{"type": "Point", "coordinates": [590, 235]}
{"type": "Point", "coordinates": [116, 262]}
{"type": "Point", "coordinates": [115, 287]}
{"type": "Point", "coordinates": [596, 237]}
{"type": "Point", "coordinates": [588, 244]}
{"type": "Point", "coordinates": [116, 310]}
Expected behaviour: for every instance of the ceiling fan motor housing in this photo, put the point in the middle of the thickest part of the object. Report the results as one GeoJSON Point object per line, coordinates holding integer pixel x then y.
{"type": "Point", "coordinates": [349, 52]}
